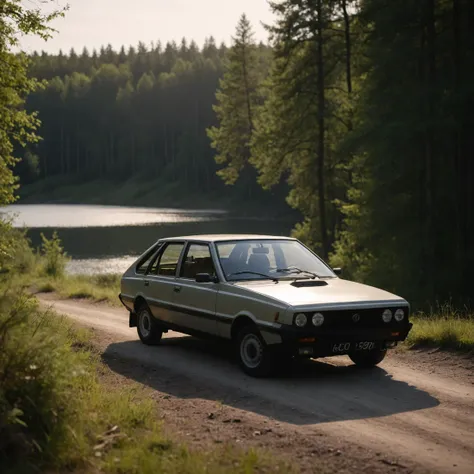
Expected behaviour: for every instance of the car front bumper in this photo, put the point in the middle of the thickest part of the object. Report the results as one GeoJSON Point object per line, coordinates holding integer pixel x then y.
{"type": "Point", "coordinates": [332, 341]}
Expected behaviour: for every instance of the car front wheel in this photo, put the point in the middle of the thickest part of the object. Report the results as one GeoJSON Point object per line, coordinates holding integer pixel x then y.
{"type": "Point", "coordinates": [368, 358]}
{"type": "Point", "coordinates": [255, 357]}
{"type": "Point", "coordinates": [148, 328]}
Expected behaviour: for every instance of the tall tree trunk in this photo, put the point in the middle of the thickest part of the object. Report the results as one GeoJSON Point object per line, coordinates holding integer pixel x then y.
{"type": "Point", "coordinates": [348, 43]}
{"type": "Point", "coordinates": [430, 236]}
{"type": "Point", "coordinates": [347, 34]}
{"type": "Point", "coordinates": [321, 137]}
{"type": "Point", "coordinates": [247, 90]}
{"type": "Point", "coordinates": [459, 196]}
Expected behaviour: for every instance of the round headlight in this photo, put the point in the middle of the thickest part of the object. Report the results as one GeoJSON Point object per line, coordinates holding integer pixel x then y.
{"type": "Point", "coordinates": [301, 320]}
{"type": "Point", "coordinates": [387, 316]}
{"type": "Point", "coordinates": [318, 319]}
{"type": "Point", "coordinates": [399, 315]}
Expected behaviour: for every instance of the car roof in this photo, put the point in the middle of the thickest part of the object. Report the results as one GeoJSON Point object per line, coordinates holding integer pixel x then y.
{"type": "Point", "coordinates": [226, 237]}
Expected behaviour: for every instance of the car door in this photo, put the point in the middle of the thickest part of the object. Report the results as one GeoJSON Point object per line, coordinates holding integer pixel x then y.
{"type": "Point", "coordinates": [160, 283]}
{"type": "Point", "coordinates": [197, 301]}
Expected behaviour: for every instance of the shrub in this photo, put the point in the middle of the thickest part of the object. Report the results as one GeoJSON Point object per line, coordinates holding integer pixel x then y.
{"type": "Point", "coordinates": [16, 255]}
{"type": "Point", "coordinates": [54, 257]}
{"type": "Point", "coordinates": [38, 373]}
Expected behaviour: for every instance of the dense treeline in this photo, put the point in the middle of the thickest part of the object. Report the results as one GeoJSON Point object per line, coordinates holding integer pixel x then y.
{"type": "Point", "coordinates": [367, 116]}
{"type": "Point", "coordinates": [115, 114]}
{"type": "Point", "coordinates": [362, 107]}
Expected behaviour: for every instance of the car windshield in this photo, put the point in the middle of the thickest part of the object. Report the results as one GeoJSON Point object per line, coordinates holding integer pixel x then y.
{"type": "Point", "coordinates": [269, 259]}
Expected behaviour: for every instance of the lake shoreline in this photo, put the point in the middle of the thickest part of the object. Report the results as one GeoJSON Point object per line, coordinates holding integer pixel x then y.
{"type": "Point", "coordinates": [146, 193]}
{"type": "Point", "coordinates": [106, 239]}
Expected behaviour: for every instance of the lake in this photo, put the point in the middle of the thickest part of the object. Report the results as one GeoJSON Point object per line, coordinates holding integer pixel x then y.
{"type": "Point", "coordinates": [107, 239]}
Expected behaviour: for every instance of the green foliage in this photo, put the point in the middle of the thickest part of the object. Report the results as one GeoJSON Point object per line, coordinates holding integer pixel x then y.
{"type": "Point", "coordinates": [16, 255]}
{"type": "Point", "coordinates": [307, 112]}
{"type": "Point", "coordinates": [53, 256]}
{"type": "Point", "coordinates": [17, 126]}
{"type": "Point", "coordinates": [409, 213]}
{"type": "Point", "coordinates": [237, 98]}
{"type": "Point", "coordinates": [142, 112]}
{"type": "Point", "coordinates": [56, 415]}
{"type": "Point", "coordinates": [38, 373]}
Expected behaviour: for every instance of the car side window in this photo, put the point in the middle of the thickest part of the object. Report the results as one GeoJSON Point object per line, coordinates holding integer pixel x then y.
{"type": "Point", "coordinates": [146, 260]}
{"type": "Point", "coordinates": [168, 262]}
{"type": "Point", "coordinates": [198, 259]}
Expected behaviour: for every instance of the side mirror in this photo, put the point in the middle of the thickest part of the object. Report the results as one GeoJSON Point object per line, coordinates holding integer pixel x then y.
{"type": "Point", "coordinates": [337, 271]}
{"type": "Point", "coordinates": [205, 278]}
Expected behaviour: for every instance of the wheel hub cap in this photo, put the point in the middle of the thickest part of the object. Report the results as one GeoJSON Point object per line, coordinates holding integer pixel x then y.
{"type": "Point", "coordinates": [251, 351]}
{"type": "Point", "coordinates": [145, 323]}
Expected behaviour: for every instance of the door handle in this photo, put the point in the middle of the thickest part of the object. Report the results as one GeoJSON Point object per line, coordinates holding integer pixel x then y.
{"type": "Point", "coordinates": [177, 289]}
{"type": "Point", "coordinates": [147, 283]}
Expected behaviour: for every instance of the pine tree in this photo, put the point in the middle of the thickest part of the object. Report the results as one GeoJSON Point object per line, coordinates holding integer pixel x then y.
{"type": "Point", "coordinates": [299, 126]}
{"type": "Point", "coordinates": [237, 98]}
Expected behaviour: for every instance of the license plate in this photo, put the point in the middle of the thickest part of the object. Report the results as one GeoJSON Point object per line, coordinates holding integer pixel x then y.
{"type": "Point", "coordinates": [357, 346]}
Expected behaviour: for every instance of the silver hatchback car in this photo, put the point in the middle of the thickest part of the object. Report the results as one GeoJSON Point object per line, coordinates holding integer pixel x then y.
{"type": "Point", "coordinates": [272, 296]}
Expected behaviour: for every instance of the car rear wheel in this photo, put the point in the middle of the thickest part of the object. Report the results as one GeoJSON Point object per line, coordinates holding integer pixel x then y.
{"type": "Point", "coordinates": [148, 328]}
{"type": "Point", "coordinates": [255, 357]}
{"type": "Point", "coordinates": [368, 358]}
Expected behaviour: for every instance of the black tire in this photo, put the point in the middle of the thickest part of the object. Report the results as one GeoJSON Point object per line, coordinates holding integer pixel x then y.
{"type": "Point", "coordinates": [148, 328]}
{"type": "Point", "coordinates": [255, 357]}
{"type": "Point", "coordinates": [368, 359]}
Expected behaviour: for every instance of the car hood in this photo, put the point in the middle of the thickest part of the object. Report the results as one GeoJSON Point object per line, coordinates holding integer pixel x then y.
{"type": "Point", "coordinates": [337, 292]}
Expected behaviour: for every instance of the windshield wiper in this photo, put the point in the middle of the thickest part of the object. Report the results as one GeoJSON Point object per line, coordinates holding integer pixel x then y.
{"type": "Point", "coordinates": [255, 273]}
{"type": "Point", "coordinates": [297, 270]}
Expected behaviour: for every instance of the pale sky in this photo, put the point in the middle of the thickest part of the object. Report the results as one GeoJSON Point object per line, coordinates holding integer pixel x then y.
{"type": "Point", "coordinates": [94, 23]}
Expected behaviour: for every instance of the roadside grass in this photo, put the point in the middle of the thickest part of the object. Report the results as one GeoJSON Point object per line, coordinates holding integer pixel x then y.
{"type": "Point", "coordinates": [96, 288]}
{"type": "Point", "coordinates": [57, 415]}
{"type": "Point", "coordinates": [445, 328]}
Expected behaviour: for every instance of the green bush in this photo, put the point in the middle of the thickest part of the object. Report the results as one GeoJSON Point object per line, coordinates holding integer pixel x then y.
{"type": "Point", "coordinates": [53, 255]}
{"type": "Point", "coordinates": [38, 374]}
{"type": "Point", "coordinates": [16, 255]}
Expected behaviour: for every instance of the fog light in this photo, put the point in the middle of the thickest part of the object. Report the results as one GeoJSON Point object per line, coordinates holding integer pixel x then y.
{"type": "Point", "coordinates": [318, 319]}
{"type": "Point", "coordinates": [305, 351]}
{"type": "Point", "coordinates": [387, 316]}
{"type": "Point", "coordinates": [399, 315]}
{"type": "Point", "coordinates": [301, 320]}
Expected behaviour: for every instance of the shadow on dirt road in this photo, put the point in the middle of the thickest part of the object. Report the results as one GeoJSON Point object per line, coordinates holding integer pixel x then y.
{"type": "Point", "coordinates": [307, 393]}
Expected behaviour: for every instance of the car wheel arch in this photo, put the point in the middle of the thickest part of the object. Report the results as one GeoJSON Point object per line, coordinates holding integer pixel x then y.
{"type": "Point", "coordinates": [138, 303]}
{"type": "Point", "coordinates": [241, 321]}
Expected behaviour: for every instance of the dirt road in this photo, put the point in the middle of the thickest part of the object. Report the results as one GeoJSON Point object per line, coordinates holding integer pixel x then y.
{"type": "Point", "coordinates": [415, 412]}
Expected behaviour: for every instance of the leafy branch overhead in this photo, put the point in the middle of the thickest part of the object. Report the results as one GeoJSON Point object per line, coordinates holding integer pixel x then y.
{"type": "Point", "coordinates": [17, 126]}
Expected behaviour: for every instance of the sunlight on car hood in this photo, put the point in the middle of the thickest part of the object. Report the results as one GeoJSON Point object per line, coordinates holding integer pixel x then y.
{"type": "Point", "coordinates": [336, 291]}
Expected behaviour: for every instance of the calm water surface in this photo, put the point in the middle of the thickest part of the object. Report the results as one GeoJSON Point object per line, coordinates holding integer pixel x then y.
{"type": "Point", "coordinates": [107, 239]}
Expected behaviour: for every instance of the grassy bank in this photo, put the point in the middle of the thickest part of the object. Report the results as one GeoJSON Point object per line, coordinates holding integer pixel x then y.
{"type": "Point", "coordinates": [96, 288]}
{"type": "Point", "coordinates": [58, 410]}
{"type": "Point", "coordinates": [57, 414]}
{"type": "Point", "coordinates": [446, 331]}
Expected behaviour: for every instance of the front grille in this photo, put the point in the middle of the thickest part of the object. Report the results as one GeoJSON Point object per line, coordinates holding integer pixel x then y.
{"type": "Point", "coordinates": [367, 318]}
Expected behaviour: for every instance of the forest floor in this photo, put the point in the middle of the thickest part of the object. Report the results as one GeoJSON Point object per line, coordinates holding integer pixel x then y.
{"type": "Point", "coordinates": [413, 414]}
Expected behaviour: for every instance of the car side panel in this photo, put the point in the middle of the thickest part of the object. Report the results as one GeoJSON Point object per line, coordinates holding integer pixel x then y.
{"type": "Point", "coordinates": [197, 304]}
{"type": "Point", "coordinates": [160, 296]}
{"type": "Point", "coordinates": [233, 301]}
